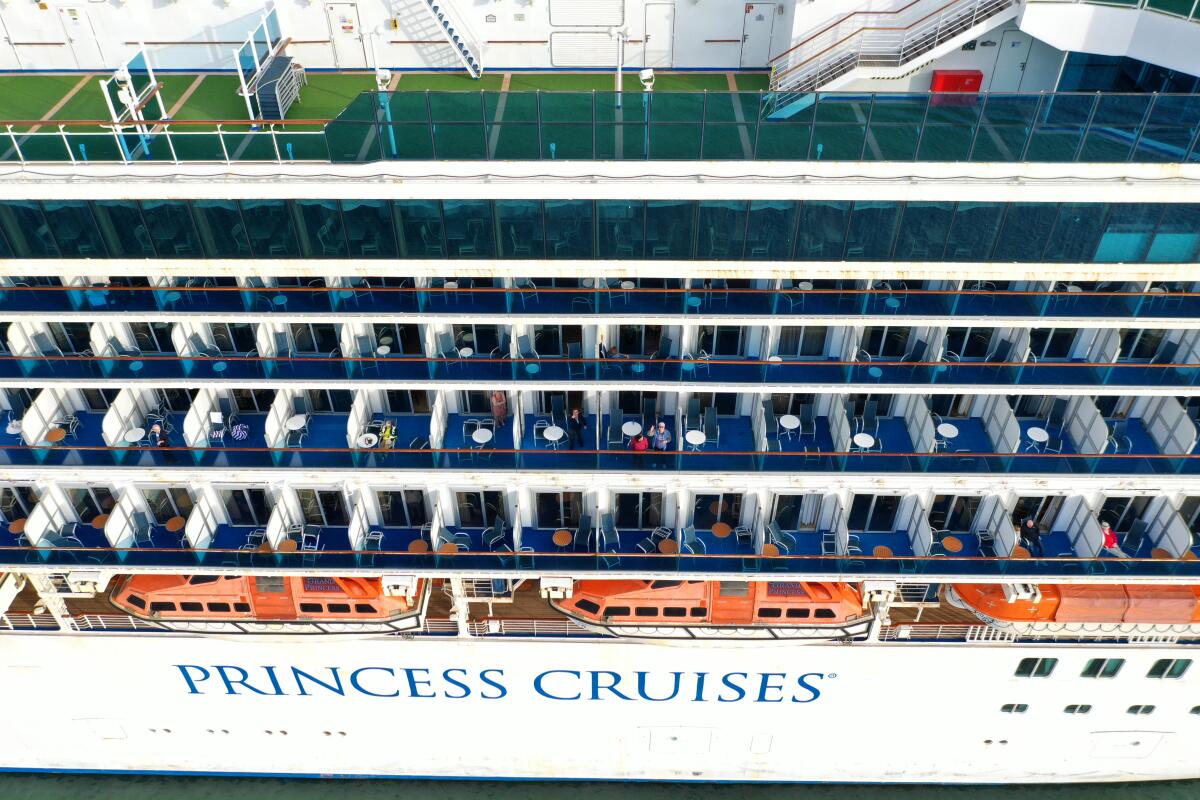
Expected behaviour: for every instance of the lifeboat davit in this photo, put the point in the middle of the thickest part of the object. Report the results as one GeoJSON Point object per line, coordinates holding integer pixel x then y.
{"type": "Point", "coordinates": [258, 604]}
{"type": "Point", "coordinates": [1084, 609]}
{"type": "Point", "coordinates": [792, 611]}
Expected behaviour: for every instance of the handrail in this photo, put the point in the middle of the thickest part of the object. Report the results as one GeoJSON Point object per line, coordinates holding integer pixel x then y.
{"type": "Point", "coordinates": [839, 21]}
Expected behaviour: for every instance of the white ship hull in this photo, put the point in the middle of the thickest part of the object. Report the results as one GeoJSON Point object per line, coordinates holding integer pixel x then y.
{"type": "Point", "coordinates": [509, 708]}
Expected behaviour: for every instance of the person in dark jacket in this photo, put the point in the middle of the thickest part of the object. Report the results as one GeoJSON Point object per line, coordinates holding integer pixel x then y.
{"type": "Point", "coordinates": [576, 425]}
{"type": "Point", "coordinates": [1031, 537]}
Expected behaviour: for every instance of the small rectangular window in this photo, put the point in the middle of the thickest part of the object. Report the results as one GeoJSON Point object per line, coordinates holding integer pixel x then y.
{"type": "Point", "coordinates": [1140, 710]}
{"type": "Point", "coordinates": [364, 608]}
{"type": "Point", "coordinates": [671, 611]}
{"type": "Point", "coordinates": [184, 606]}
{"type": "Point", "coordinates": [1077, 708]}
{"type": "Point", "coordinates": [1036, 667]}
{"type": "Point", "coordinates": [698, 611]}
{"type": "Point", "coordinates": [770, 613]}
{"type": "Point", "coordinates": [198, 580]}
{"type": "Point", "coordinates": [824, 613]}
{"type": "Point", "coordinates": [222, 608]}
{"type": "Point", "coordinates": [1169, 668]}
{"type": "Point", "coordinates": [797, 613]}
{"type": "Point", "coordinates": [135, 600]}
{"type": "Point", "coordinates": [645, 611]}
{"type": "Point", "coordinates": [587, 605]}
{"type": "Point", "coordinates": [161, 606]}
{"type": "Point", "coordinates": [339, 608]}
{"type": "Point", "coordinates": [1102, 668]}
{"type": "Point", "coordinates": [243, 607]}
{"type": "Point", "coordinates": [1014, 708]}
{"type": "Point", "coordinates": [617, 611]}
{"type": "Point", "coordinates": [311, 608]}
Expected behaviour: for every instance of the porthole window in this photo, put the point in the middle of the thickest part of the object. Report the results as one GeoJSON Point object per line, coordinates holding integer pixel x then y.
{"type": "Point", "coordinates": [1077, 708]}
{"type": "Point", "coordinates": [1014, 708]}
{"type": "Point", "coordinates": [1140, 710]}
{"type": "Point", "coordinates": [1102, 668]}
{"type": "Point", "coordinates": [1036, 667]}
{"type": "Point", "coordinates": [1169, 668]}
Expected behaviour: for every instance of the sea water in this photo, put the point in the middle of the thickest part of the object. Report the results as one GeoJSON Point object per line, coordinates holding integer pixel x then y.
{"type": "Point", "coordinates": [112, 787]}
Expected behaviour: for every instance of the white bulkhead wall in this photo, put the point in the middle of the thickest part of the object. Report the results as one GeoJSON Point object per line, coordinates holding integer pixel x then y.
{"type": "Point", "coordinates": [196, 36]}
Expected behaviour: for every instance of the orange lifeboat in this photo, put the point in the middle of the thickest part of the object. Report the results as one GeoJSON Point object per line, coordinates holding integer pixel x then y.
{"type": "Point", "coordinates": [1082, 608]}
{"type": "Point", "coordinates": [233, 603]}
{"type": "Point", "coordinates": [788, 610]}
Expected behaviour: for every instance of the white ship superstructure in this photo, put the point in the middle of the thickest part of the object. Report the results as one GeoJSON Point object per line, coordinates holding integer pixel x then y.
{"type": "Point", "coordinates": [364, 361]}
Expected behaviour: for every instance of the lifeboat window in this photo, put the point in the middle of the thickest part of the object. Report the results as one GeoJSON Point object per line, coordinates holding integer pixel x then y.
{"type": "Point", "coordinates": [191, 606]}
{"type": "Point", "coordinates": [1172, 668]}
{"type": "Point", "coordinates": [735, 589]}
{"type": "Point", "coordinates": [824, 613]}
{"type": "Point", "coordinates": [617, 611]}
{"type": "Point", "coordinates": [770, 613]}
{"type": "Point", "coordinates": [664, 584]}
{"type": "Point", "coordinates": [1102, 668]}
{"type": "Point", "coordinates": [161, 606]}
{"type": "Point", "coordinates": [587, 605]}
{"type": "Point", "coordinates": [1036, 667]}
{"type": "Point", "coordinates": [645, 611]}
{"type": "Point", "coordinates": [339, 608]}
{"type": "Point", "coordinates": [242, 607]}
{"type": "Point", "coordinates": [364, 608]}
{"type": "Point", "coordinates": [798, 613]}
{"type": "Point", "coordinates": [1077, 708]}
{"type": "Point", "coordinates": [136, 600]}
{"type": "Point", "coordinates": [698, 611]}
{"type": "Point", "coordinates": [222, 608]}
{"type": "Point", "coordinates": [198, 580]}
{"type": "Point", "coordinates": [311, 608]}
{"type": "Point", "coordinates": [674, 611]}
{"type": "Point", "coordinates": [1014, 708]}
{"type": "Point", "coordinates": [1140, 710]}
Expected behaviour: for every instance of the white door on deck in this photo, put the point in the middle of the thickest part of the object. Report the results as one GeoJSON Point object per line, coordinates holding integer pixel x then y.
{"type": "Point", "coordinates": [756, 34]}
{"type": "Point", "coordinates": [346, 33]}
{"type": "Point", "coordinates": [81, 37]}
{"type": "Point", "coordinates": [8, 53]}
{"type": "Point", "coordinates": [1010, 62]}
{"type": "Point", "coordinates": [660, 24]}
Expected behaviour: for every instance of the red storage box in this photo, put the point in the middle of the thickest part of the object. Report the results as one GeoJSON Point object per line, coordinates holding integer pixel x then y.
{"type": "Point", "coordinates": [950, 81]}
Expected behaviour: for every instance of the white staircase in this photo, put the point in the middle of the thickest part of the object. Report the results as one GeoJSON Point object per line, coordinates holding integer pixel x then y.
{"type": "Point", "coordinates": [879, 35]}
{"type": "Point", "coordinates": [468, 48]}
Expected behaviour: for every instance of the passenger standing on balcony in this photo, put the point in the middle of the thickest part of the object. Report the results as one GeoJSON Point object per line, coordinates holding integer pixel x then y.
{"type": "Point", "coordinates": [387, 435]}
{"type": "Point", "coordinates": [639, 443]}
{"type": "Point", "coordinates": [499, 408]}
{"type": "Point", "coordinates": [1031, 537]}
{"type": "Point", "coordinates": [662, 437]}
{"type": "Point", "coordinates": [576, 425]}
{"type": "Point", "coordinates": [1110, 545]}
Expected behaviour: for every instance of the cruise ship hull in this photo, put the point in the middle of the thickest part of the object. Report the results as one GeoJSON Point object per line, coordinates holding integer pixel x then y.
{"type": "Point", "coordinates": [596, 709]}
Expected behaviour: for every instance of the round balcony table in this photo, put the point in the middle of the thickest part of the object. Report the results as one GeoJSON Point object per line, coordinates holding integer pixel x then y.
{"type": "Point", "coordinates": [367, 440]}
{"type": "Point", "coordinates": [171, 298]}
{"type": "Point", "coordinates": [136, 366]}
{"type": "Point", "coordinates": [668, 547]}
{"type": "Point", "coordinates": [892, 303]}
{"type": "Point", "coordinates": [554, 435]}
{"type": "Point", "coordinates": [721, 529]}
{"type": "Point", "coordinates": [1189, 555]}
{"type": "Point", "coordinates": [863, 441]}
{"type": "Point", "coordinates": [98, 522]}
{"type": "Point", "coordinates": [532, 369]}
{"type": "Point", "coordinates": [875, 372]}
{"type": "Point", "coordinates": [135, 435]}
{"type": "Point", "coordinates": [882, 551]}
{"type": "Point", "coordinates": [695, 439]}
{"type": "Point", "coordinates": [447, 548]}
{"type": "Point", "coordinates": [175, 524]}
{"type": "Point", "coordinates": [947, 431]}
{"type": "Point", "coordinates": [1160, 553]}
{"type": "Point", "coordinates": [17, 526]}
{"type": "Point", "coordinates": [694, 302]}
{"type": "Point", "coordinates": [279, 300]}
{"type": "Point", "coordinates": [1019, 552]}
{"type": "Point", "coordinates": [1038, 435]}
{"type": "Point", "coordinates": [383, 350]}
{"type": "Point", "coordinates": [418, 546]}
{"type": "Point", "coordinates": [13, 428]}
{"type": "Point", "coordinates": [789, 423]}
{"type": "Point", "coordinates": [631, 428]}
{"type": "Point", "coordinates": [287, 546]}
{"type": "Point", "coordinates": [770, 550]}
{"type": "Point", "coordinates": [561, 538]}
{"type": "Point", "coordinates": [805, 286]}
{"type": "Point", "coordinates": [482, 436]}
{"type": "Point", "coordinates": [638, 367]}
{"type": "Point", "coordinates": [344, 294]}
{"type": "Point", "coordinates": [295, 422]}
{"type": "Point", "coordinates": [219, 366]}
{"type": "Point", "coordinates": [56, 435]}
{"type": "Point", "coordinates": [952, 544]}
{"type": "Point", "coordinates": [466, 352]}
{"type": "Point", "coordinates": [264, 546]}
{"type": "Point", "coordinates": [386, 340]}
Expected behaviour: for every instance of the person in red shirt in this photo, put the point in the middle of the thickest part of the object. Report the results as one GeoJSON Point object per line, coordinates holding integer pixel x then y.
{"type": "Point", "coordinates": [1109, 545]}
{"type": "Point", "coordinates": [639, 443]}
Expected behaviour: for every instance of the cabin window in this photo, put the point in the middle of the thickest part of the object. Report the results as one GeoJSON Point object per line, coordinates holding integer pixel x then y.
{"type": "Point", "coordinates": [136, 600]}
{"type": "Point", "coordinates": [222, 608]}
{"type": "Point", "coordinates": [1077, 708]}
{"type": "Point", "coordinates": [824, 613]}
{"type": "Point", "coordinates": [191, 606]}
{"type": "Point", "coordinates": [798, 613]}
{"type": "Point", "coordinates": [244, 607]}
{"type": "Point", "coordinates": [698, 611]}
{"type": "Point", "coordinates": [770, 613]}
{"type": "Point", "coordinates": [311, 608]}
{"type": "Point", "coordinates": [645, 611]}
{"type": "Point", "coordinates": [1036, 667]}
{"type": "Point", "coordinates": [199, 580]}
{"type": "Point", "coordinates": [587, 605]}
{"type": "Point", "coordinates": [161, 606]}
{"type": "Point", "coordinates": [665, 584]}
{"type": "Point", "coordinates": [1171, 668]}
{"type": "Point", "coordinates": [1143, 710]}
{"type": "Point", "coordinates": [364, 608]}
{"type": "Point", "coordinates": [674, 611]}
{"type": "Point", "coordinates": [1102, 668]}
{"type": "Point", "coordinates": [1014, 708]}
{"type": "Point", "coordinates": [617, 611]}
{"type": "Point", "coordinates": [339, 608]}
{"type": "Point", "coordinates": [735, 589]}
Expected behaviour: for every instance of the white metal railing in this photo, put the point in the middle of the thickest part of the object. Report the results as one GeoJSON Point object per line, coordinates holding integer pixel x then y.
{"type": "Point", "coordinates": [468, 48]}
{"type": "Point", "coordinates": [527, 627]}
{"type": "Point", "coordinates": [25, 622]}
{"type": "Point", "coordinates": [112, 622]}
{"type": "Point", "coordinates": [876, 37]}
